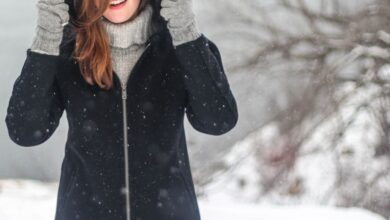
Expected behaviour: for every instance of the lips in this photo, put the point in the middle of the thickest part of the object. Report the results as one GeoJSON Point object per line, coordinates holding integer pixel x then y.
{"type": "Point", "coordinates": [116, 4]}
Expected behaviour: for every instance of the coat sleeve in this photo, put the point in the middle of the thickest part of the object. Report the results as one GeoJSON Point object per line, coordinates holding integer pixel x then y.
{"type": "Point", "coordinates": [35, 106]}
{"type": "Point", "coordinates": [210, 105]}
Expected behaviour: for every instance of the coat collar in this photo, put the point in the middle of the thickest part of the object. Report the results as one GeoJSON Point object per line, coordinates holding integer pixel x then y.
{"type": "Point", "coordinates": [159, 44]}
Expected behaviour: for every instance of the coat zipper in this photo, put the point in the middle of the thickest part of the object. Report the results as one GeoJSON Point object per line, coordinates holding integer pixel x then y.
{"type": "Point", "coordinates": [125, 137]}
{"type": "Point", "coordinates": [126, 149]}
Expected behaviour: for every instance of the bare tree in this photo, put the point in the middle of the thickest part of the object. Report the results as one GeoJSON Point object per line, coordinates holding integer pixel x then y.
{"type": "Point", "coordinates": [331, 55]}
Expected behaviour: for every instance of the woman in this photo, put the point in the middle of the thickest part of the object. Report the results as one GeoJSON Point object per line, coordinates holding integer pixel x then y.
{"type": "Point", "coordinates": [125, 72]}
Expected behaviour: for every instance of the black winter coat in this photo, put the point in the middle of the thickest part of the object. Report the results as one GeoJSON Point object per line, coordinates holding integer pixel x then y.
{"type": "Point", "coordinates": [102, 158]}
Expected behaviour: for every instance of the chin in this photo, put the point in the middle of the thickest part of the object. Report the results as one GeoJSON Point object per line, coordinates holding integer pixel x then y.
{"type": "Point", "coordinates": [118, 20]}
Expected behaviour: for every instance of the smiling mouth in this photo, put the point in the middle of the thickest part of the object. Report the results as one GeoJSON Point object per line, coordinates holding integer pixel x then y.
{"type": "Point", "coordinates": [117, 3]}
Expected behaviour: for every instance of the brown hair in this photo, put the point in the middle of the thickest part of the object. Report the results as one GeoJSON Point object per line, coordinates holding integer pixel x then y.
{"type": "Point", "coordinates": [92, 49]}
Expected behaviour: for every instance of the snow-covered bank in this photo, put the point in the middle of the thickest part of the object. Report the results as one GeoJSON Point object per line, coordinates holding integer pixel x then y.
{"type": "Point", "coordinates": [34, 200]}
{"type": "Point", "coordinates": [211, 211]}
{"type": "Point", "coordinates": [27, 199]}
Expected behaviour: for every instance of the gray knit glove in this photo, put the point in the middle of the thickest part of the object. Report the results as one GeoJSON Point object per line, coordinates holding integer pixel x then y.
{"type": "Point", "coordinates": [53, 15]}
{"type": "Point", "coordinates": [181, 21]}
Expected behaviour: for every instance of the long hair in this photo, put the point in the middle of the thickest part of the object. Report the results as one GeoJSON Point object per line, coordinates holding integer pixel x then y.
{"type": "Point", "coordinates": [92, 49]}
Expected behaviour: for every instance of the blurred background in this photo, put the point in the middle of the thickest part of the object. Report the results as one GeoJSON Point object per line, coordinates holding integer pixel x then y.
{"type": "Point", "coordinates": [311, 80]}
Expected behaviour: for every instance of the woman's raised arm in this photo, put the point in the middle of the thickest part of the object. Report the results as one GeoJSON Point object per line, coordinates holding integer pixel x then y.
{"type": "Point", "coordinates": [36, 106]}
{"type": "Point", "coordinates": [210, 107]}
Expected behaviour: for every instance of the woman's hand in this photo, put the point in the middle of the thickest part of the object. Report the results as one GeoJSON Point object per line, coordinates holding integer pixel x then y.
{"type": "Point", "coordinates": [181, 20]}
{"type": "Point", "coordinates": [53, 15]}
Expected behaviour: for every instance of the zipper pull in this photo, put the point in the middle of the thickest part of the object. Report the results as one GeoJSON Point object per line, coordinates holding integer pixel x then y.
{"type": "Point", "coordinates": [124, 93]}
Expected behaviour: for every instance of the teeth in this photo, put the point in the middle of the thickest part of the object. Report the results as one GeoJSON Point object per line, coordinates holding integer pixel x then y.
{"type": "Point", "coordinates": [117, 2]}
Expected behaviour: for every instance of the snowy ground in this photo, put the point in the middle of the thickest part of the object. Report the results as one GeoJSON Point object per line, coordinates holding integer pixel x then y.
{"type": "Point", "coordinates": [33, 200]}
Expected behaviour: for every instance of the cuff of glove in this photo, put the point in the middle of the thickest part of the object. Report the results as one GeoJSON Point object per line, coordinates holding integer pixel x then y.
{"type": "Point", "coordinates": [185, 34]}
{"type": "Point", "coordinates": [46, 42]}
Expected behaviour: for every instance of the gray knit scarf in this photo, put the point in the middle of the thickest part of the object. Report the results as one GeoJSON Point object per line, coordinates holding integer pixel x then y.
{"type": "Point", "coordinates": [127, 41]}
